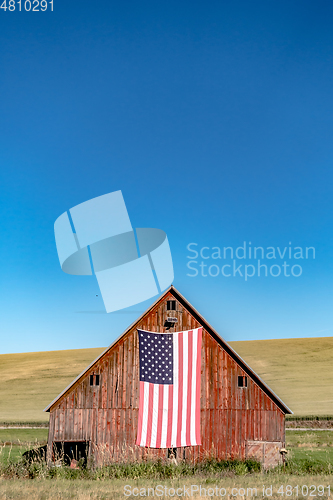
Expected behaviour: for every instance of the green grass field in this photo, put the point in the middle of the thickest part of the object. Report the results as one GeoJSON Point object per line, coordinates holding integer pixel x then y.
{"type": "Point", "coordinates": [19, 436]}
{"type": "Point", "coordinates": [311, 444]}
{"type": "Point", "coordinates": [298, 370]}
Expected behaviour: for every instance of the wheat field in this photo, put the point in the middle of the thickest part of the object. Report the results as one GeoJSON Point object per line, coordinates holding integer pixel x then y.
{"type": "Point", "coordinates": [298, 370]}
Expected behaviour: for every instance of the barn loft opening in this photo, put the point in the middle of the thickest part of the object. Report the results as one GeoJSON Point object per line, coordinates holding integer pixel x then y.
{"type": "Point", "coordinates": [171, 305]}
{"type": "Point", "coordinates": [94, 379]}
{"type": "Point", "coordinates": [242, 381]}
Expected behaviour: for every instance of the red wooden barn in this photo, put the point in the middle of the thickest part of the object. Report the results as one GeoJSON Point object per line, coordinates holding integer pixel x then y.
{"type": "Point", "coordinates": [97, 413]}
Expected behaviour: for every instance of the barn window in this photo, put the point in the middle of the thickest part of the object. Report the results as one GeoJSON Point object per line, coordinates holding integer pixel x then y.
{"type": "Point", "coordinates": [242, 381]}
{"type": "Point", "coordinates": [94, 379]}
{"type": "Point", "coordinates": [171, 305]}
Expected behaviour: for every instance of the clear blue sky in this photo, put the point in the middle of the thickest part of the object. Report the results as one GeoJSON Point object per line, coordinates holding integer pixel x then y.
{"type": "Point", "coordinates": [215, 119]}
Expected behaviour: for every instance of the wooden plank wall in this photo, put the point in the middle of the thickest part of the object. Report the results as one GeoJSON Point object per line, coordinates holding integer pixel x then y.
{"type": "Point", "coordinates": [106, 415]}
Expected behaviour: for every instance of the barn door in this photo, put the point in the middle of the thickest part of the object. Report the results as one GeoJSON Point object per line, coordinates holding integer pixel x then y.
{"type": "Point", "coordinates": [266, 452]}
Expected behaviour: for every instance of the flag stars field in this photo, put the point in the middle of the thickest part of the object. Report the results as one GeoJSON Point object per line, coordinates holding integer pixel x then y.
{"type": "Point", "coordinates": [156, 365]}
{"type": "Point", "coordinates": [169, 406]}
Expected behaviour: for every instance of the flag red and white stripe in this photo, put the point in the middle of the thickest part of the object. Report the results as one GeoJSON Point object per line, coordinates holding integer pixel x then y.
{"type": "Point", "coordinates": [169, 414]}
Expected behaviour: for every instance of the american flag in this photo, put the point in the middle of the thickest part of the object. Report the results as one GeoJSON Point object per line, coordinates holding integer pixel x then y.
{"type": "Point", "coordinates": [170, 375]}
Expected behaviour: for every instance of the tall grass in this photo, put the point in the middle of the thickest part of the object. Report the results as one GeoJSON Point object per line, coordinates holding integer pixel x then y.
{"type": "Point", "coordinates": [157, 470]}
{"type": "Point", "coordinates": [305, 466]}
{"type": "Point", "coordinates": [37, 467]}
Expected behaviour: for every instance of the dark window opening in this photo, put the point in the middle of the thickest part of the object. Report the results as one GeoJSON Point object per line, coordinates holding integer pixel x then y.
{"type": "Point", "coordinates": [94, 379]}
{"type": "Point", "coordinates": [172, 452]}
{"type": "Point", "coordinates": [72, 453]}
{"type": "Point", "coordinates": [242, 381]}
{"type": "Point", "coordinates": [171, 305]}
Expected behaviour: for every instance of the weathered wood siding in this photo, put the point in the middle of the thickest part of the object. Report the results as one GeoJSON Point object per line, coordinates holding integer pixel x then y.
{"type": "Point", "coordinates": [106, 415]}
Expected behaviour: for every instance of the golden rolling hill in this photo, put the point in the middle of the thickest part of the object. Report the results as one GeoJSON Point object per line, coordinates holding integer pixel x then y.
{"type": "Point", "coordinates": [298, 370]}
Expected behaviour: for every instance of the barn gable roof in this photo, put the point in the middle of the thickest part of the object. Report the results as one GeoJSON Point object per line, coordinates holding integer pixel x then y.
{"type": "Point", "coordinates": [232, 353]}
